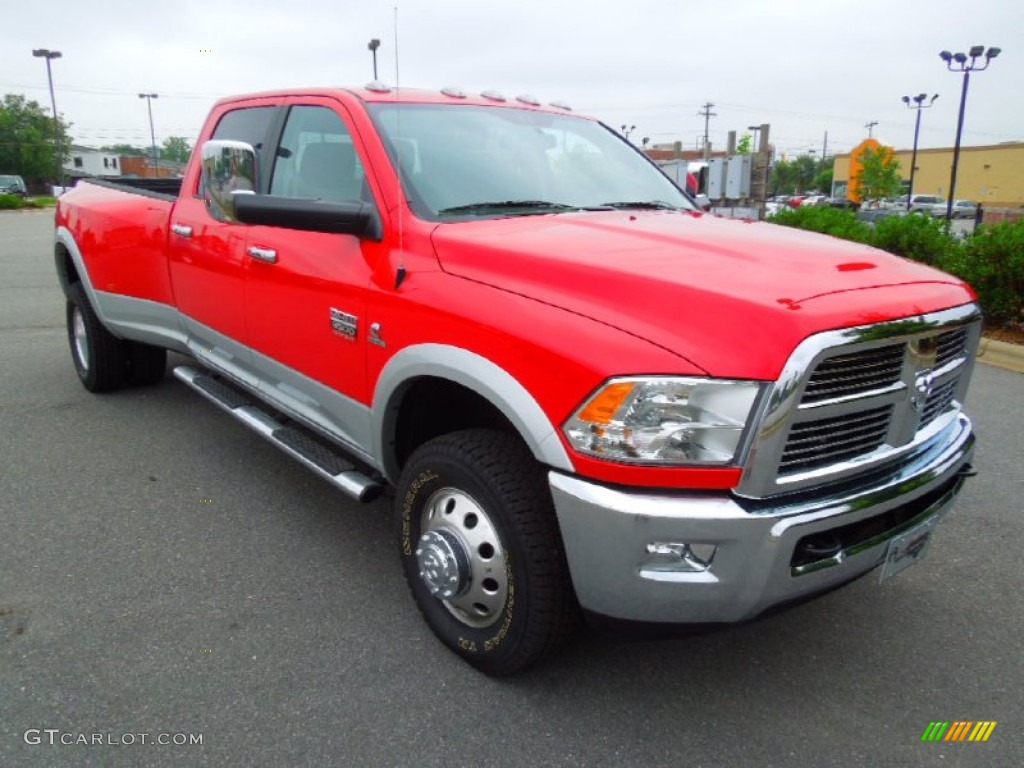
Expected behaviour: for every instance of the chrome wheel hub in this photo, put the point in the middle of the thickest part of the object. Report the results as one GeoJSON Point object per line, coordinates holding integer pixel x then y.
{"type": "Point", "coordinates": [444, 566]}
{"type": "Point", "coordinates": [81, 339]}
{"type": "Point", "coordinates": [461, 559]}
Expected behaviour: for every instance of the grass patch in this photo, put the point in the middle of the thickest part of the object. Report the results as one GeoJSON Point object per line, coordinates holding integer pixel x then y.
{"type": "Point", "coordinates": [16, 202]}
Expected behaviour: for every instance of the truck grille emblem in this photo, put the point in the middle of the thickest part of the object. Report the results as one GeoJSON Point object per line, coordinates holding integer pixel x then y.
{"type": "Point", "coordinates": [923, 354]}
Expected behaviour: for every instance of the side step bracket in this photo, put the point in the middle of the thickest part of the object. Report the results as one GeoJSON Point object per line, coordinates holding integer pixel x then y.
{"type": "Point", "coordinates": [314, 454]}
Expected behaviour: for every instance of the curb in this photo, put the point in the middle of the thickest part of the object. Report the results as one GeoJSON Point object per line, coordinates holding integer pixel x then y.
{"type": "Point", "coordinates": [1001, 354]}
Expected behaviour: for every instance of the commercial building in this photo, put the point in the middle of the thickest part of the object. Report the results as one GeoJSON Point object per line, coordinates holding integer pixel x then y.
{"type": "Point", "coordinates": [992, 175]}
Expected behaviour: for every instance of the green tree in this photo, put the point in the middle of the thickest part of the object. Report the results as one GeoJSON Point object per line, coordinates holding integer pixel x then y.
{"type": "Point", "coordinates": [743, 146]}
{"type": "Point", "coordinates": [880, 174]}
{"type": "Point", "coordinates": [125, 149]}
{"type": "Point", "coordinates": [792, 176]}
{"type": "Point", "coordinates": [823, 180]}
{"type": "Point", "coordinates": [28, 146]}
{"type": "Point", "coordinates": [176, 149]}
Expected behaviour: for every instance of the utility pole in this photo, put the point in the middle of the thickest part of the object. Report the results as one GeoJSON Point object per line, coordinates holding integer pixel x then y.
{"type": "Point", "coordinates": [870, 126]}
{"type": "Point", "coordinates": [152, 134]}
{"type": "Point", "coordinates": [707, 114]}
{"type": "Point", "coordinates": [824, 147]}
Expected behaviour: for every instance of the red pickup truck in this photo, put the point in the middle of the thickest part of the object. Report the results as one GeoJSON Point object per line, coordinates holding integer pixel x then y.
{"type": "Point", "coordinates": [588, 398]}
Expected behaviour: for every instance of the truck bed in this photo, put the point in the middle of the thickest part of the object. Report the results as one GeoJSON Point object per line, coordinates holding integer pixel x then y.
{"type": "Point", "coordinates": [162, 189]}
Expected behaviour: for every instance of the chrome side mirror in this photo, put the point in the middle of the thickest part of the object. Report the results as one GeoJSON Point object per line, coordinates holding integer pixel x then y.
{"type": "Point", "coordinates": [229, 169]}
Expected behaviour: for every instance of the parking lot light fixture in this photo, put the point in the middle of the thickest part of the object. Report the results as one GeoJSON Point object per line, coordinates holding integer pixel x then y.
{"type": "Point", "coordinates": [917, 104]}
{"type": "Point", "coordinates": [957, 62]}
{"type": "Point", "coordinates": [372, 46]}
{"type": "Point", "coordinates": [45, 53]}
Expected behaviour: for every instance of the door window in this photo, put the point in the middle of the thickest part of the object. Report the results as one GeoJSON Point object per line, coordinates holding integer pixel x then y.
{"type": "Point", "coordinates": [250, 125]}
{"type": "Point", "coordinates": [317, 159]}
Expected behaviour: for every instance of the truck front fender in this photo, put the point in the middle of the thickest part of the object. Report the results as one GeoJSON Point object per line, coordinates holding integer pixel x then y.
{"type": "Point", "coordinates": [475, 373]}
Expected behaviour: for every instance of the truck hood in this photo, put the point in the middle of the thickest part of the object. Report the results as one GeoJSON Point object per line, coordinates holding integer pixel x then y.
{"type": "Point", "coordinates": [732, 297]}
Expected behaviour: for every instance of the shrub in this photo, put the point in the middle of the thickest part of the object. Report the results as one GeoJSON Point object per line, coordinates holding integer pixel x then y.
{"type": "Point", "coordinates": [829, 221]}
{"type": "Point", "coordinates": [915, 236]}
{"type": "Point", "coordinates": [14, 202]}
{"type": "Point", "coordinates": [992, 261]}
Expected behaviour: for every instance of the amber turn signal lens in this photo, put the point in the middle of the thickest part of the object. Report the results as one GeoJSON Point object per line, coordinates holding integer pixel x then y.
{"type": "Point", "coordinates": [602, 407]}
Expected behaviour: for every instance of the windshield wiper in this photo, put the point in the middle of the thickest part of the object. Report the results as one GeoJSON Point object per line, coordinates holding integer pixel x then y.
{"type": "Point", "coordinates": [653, 205]}
{"type": "Point", "coordinates": [504, 206]}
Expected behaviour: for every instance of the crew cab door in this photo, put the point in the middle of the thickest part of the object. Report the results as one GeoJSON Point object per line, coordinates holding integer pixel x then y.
{"type": "Point", "coordinates": [305, 296]}
{"type": "Point", "coordinates": [207, 258]}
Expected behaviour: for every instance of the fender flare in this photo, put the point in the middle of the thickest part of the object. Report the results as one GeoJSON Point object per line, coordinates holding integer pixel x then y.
{"type": "Point", "coordinates": [475, 373]}
{"type": "Point", "coordinates": [63, 237]}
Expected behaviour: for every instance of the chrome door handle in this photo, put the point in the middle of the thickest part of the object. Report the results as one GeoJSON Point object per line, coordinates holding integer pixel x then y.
{"type": "Point", "coordinates": [181, 230]}
{"type": "Point", "coordinates": [268, 255]}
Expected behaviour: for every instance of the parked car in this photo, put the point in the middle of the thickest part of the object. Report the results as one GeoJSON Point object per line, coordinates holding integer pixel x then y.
{"type": "Point", "coordinates": [963, 209]}
{"type": "Point", "coordinates": [814, 200]}
{"type": "Point", "coordinates": [12, 185]}
{"type": "Point", "coordinates": [926, 204]}
{"type": "Point", "coordinates": [841, 202]}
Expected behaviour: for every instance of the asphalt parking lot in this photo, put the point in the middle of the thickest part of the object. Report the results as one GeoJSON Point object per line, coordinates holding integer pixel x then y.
{"type": "Point", "coordinates": [163, 572]}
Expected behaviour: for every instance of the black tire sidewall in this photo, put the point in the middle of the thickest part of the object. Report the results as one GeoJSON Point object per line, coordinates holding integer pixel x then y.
{"type": "Point", "coordinates": [79, 304]}
{"type": "Point", "coordinates": [107, 363]}
{"type": "Point", "coordinates": [491, 647]}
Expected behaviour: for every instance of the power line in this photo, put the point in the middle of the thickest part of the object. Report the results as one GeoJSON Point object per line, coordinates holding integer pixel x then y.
{"type": "Point", "coordinates": [112, 91]}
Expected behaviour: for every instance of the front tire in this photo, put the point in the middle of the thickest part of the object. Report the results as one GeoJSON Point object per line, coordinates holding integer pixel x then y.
{"type": "Point", "coordinates": [100, 357]}
{"type": "Point", "coordinates": [482, 552]}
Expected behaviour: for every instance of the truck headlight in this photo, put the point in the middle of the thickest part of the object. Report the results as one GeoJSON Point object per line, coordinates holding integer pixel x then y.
{"type": "Point", "coordinates": [662, 420]}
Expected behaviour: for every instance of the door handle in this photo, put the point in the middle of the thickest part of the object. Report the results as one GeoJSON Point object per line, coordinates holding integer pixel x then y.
{"type": "Point", "coordinates": [181, 230]}
{"type": "Point", "coordinates": [267, 255]}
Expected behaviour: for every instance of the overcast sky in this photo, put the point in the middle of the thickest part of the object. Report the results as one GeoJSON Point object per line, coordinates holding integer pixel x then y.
{"type": "Point", "coordinates": [804, 67]}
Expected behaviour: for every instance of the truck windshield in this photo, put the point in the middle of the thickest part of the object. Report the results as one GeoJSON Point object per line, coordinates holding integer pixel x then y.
{"type": "Point", "coordinates": [462, 161]}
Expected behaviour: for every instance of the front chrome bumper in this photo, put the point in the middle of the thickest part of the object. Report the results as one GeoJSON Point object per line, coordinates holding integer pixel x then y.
{"type": "Point", "coordinates": [616, 540]}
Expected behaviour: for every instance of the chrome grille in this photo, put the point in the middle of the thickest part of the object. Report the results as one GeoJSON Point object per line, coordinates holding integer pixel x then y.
{"type": "Point", "coordinates": [821, 442]}
{"type": "Point", "coordinates": [855, 373]}
{"type": "Point", "coordinates": [854, 400]}
{"type": "Point", "coordinates": [938, 401]}
{"type": "Point", "coordinates": [950, 345]}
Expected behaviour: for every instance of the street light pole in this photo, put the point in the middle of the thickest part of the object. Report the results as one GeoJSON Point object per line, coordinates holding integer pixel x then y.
{"type": "Point", "coordinates": [152, 134]}
{"type": "Point", "coordinates": [962, 65]}
{"type": "Point", "coordinates": [49, 56]}
{"type": "Point", "coordinates": [917, 106]}
{"type": "Point", "coordinates": [756, 129]}
{"type": "Point", "coordinates": [373, 46]}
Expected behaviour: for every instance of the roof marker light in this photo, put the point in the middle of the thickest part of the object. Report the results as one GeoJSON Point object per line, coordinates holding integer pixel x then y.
{"type": "Point", "coordinates": [561, 105]}
{"type": "Point", "coordinates": [493, 96]}
{"type": "Point", "coordinates": [533, 101]}
{"type": "Point", "coordinates": [455, 93]}
{"type": "Point", "coordinates": [378, 87]}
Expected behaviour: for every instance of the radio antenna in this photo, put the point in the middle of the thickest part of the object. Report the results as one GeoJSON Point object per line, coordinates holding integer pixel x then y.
{"type": "Point", "coordinates": [400, 273]}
